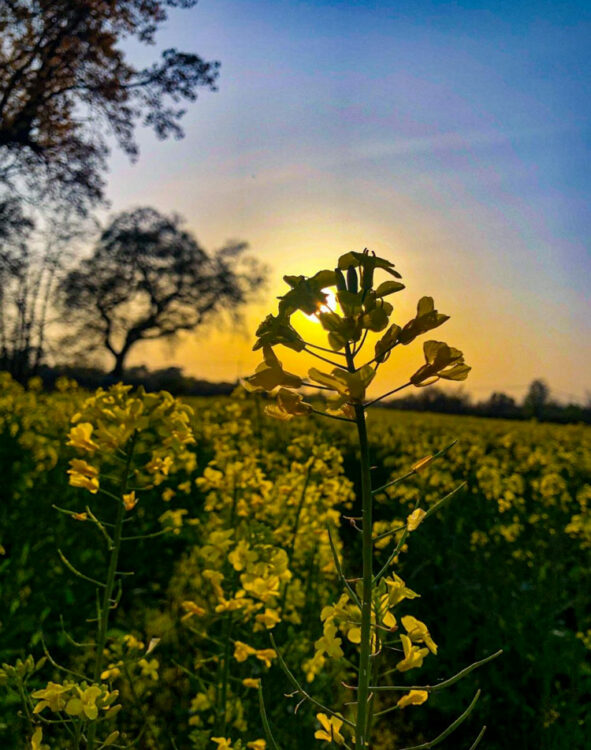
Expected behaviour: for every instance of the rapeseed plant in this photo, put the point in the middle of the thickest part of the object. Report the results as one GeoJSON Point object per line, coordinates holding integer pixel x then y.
{"type": "Point", "coordinates": [364, 614]}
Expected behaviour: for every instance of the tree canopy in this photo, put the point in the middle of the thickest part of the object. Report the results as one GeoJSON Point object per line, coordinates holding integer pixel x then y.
{"type": "Point", "coordinates": [148, 278]}
{"type": "Point", "coordinates": [66, 85]}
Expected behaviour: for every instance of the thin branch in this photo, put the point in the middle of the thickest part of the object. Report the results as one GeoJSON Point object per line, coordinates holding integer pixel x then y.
{"type": "Point", "coordinates": [337, 563]}
{"type": "Point", "coordinates": [332, 416]}
{"type": "Point", "coordinates": [324, 349]}
{"type": "Point", "coordinates": [301, 690]}
{"type": "Point", "coordinates": [476, 742]}
{"type": "Point", "coordinates": [324, 359]}
{"type": "Point", "coordinates": [440, 685]}
{"type": "Point", "coordinates": [146, 536]}
{"type": "Point", "coordinates": [438, 504]}
{"type": "Point", "coordinates": [319, 387]}
{"type": "Point", "coordinates": [452, 727]}
{"type": "Point", "coordinates": [265, 721]}
{"type": "Point", "coordinates": [371, 361]}
{"type": "Point", "coordinates": [358, 348]}
{"type": "Point", "coordinates": [385, 395]}
{"type": "Point", "coordinates": [440, 453]}
{"type": "Point", "coordinates": [70, 567]}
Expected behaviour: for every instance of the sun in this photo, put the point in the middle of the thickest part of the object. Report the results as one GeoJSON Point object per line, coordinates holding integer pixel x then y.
{"type": "Point", "coordinates": [331, 305]}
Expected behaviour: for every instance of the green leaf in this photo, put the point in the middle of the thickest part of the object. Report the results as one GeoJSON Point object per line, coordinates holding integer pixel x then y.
{"type": "Point", "coordinates": [306, 294]}
{"type": "Point", "coordinates": [426, 319]}
{"type": "Point", "coordinates": [388, 341]}
{"type": "Point", "coordinates": [278, 330]}
{"type": "Point", "coordinates": [442, 361]}
{"type": "Point", "coordinates": [289, 404]}
{"type": "Point", "coordinates": [270, 374]}
{"type": "Point", "coordinates": [378, 318]}
{"type": "Point", "coordinates": [350, 384]}
{"type": "Point", "coordinates": [388, 287]}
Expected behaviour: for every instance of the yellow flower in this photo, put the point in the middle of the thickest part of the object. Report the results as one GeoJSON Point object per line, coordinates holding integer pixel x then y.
{"type": "Point", "coordinates": [418, 632]}
{"type": "Point", "coordinates": [413, 656]}
{"type": "Point", "coordinates": [397, 590]}
{"type": "Point", "coordinates": [53, 696]}
{"type": "Point", "coordinates": [82, 474]}
{"type": "Point", "coordinates": [222, 743]}
{"type": "Point", "coordinates": [80, 516]}
{"type": "Point", "coordinates": [414, 698]}
{"type": "Point", "coordinates": [257, 745]}
{"type": "Point", "coordinates": [242, 651]}
{"type": "Point", "coordinates": [132, 643]}
{"type": "Point", "coordinates": [129, 500]}
{"type": "Point", "coordinates": [85, 703]}
{"type": "Point", "coordinates": [112, 671]}
{"type": "Point", "coordinates": [329, 643]}
{"type": "Point", "coordinates": [149, 668]}
{"type": "Point", "coordinates": [266, 655]}
{"type": "Point", "coordinates": [191, 609]}
{"type": "Point", "coordinates": [249, 682]}
{"type": "Point", "coordinates": [415, 519]}
{"type": "Point", "coordinates": [36, 740]}
{"type": "Point", "coordinates": [79, 437]}
{"type": "Point", "coordinates": [330, 732]}
{"type": "Point", "coordinates": [269, 618]}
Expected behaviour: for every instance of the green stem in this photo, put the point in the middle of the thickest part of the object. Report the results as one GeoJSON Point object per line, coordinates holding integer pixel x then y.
{"type": "Point", "coordinates": [103, 615]}
{"type": "Point", "coordinates": [364, 679]}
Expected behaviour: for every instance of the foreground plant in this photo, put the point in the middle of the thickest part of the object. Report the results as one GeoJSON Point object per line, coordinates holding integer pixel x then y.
{"type": "Point", "coordinates": [364, 614]}
{"type": "Point", "coordinates": [126, 443]}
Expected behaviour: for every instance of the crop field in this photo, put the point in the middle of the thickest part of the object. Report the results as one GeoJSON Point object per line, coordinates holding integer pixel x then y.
{"type": "Point", "coordinates": [226, 590]}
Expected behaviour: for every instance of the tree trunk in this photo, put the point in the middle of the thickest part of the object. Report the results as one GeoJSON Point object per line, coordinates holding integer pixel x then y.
{"type": "Point", "coordinates": [117, 371]}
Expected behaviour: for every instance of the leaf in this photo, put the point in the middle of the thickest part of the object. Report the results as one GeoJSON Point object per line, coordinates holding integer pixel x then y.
{"type": "Point", "coordinates": [377, 319]}
{"type": "Point", "coordinates": [388, 341]}
{"type": "Point", "coordinates": [442, 361]}
{"type": "Point", "coordinates": [457, 372]}
{"type": "Point", "coordinates": [426, 319]}
{"type": "Point", "coordinates": [388, 287]}
{"type": "Point", "coordinates": [289, 404]}
{"type": "Point", "coordinates": [278, 330]}
{"type": "Point", "coordinates": [350, 302]}
{"type": "Point", "coordinates": [324, 378]}
{"type": "Point", "coordinates": [350, 384]}
{"type": "Point", "coordinates": [270, 374]}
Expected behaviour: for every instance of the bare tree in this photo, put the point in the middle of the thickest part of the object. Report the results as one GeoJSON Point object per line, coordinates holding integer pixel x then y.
{"type": "Point", "coordinates": [66, 84]}
{"type": "Point", "coordinates": [32, 257]}
{"type": "Point", "coordinates": [149, 279]}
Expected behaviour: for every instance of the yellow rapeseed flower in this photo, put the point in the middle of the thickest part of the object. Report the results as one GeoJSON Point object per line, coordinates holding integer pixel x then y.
{"type": "Point", "coordinates": [331, 729]}
{"type": "Point", "coordinates": [242, 651]}
{"type": "Point", "coordinates": [418, 632]}
{"type": "Point", "coordinates": [413, 656]}
{"type": "Point", "coordinates": [129, 500]}
{"type": "Point", "coordinates": [83, 474]}
{"type": "Point", "coordinates": [251, 682]}
{"type": "Point", "coordinates": [414, 698]}
{"type": "Point", "coordinates": [415, 519]}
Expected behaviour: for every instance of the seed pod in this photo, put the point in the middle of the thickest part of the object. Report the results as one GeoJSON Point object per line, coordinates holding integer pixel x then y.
{"type": "Point", "coordinates": [341, 283]}
{"type": "Point", "coordinates": [352, 283]}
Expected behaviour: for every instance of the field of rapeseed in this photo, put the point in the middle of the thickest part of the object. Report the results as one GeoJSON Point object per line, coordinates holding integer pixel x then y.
{"type": "Point", "coordinates": [222, 542]}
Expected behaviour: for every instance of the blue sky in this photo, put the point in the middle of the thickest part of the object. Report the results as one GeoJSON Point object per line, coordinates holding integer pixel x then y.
{"type": "Point", "coordinates": [454, 138]}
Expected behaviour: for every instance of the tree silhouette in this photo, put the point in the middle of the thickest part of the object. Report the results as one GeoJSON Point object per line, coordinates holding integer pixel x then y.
{"type": "Point", "coordinates": [537, 399]}
{"type": "Point", "coordinates": [149, 279]}
{"type": "Point", "coordinates": [32, 258]}
{"type": "Point", "coordinates": [65, 85]}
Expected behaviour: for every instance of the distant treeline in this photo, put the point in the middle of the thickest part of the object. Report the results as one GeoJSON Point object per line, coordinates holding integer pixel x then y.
{"type": "Point", "coordinates": [537, 404]}
{"type": "Point", "coordinates": [169, 379]}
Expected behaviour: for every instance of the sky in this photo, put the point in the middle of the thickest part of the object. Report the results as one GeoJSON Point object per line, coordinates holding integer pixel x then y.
{"type": "Point", "coordinates": [452, 138]}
